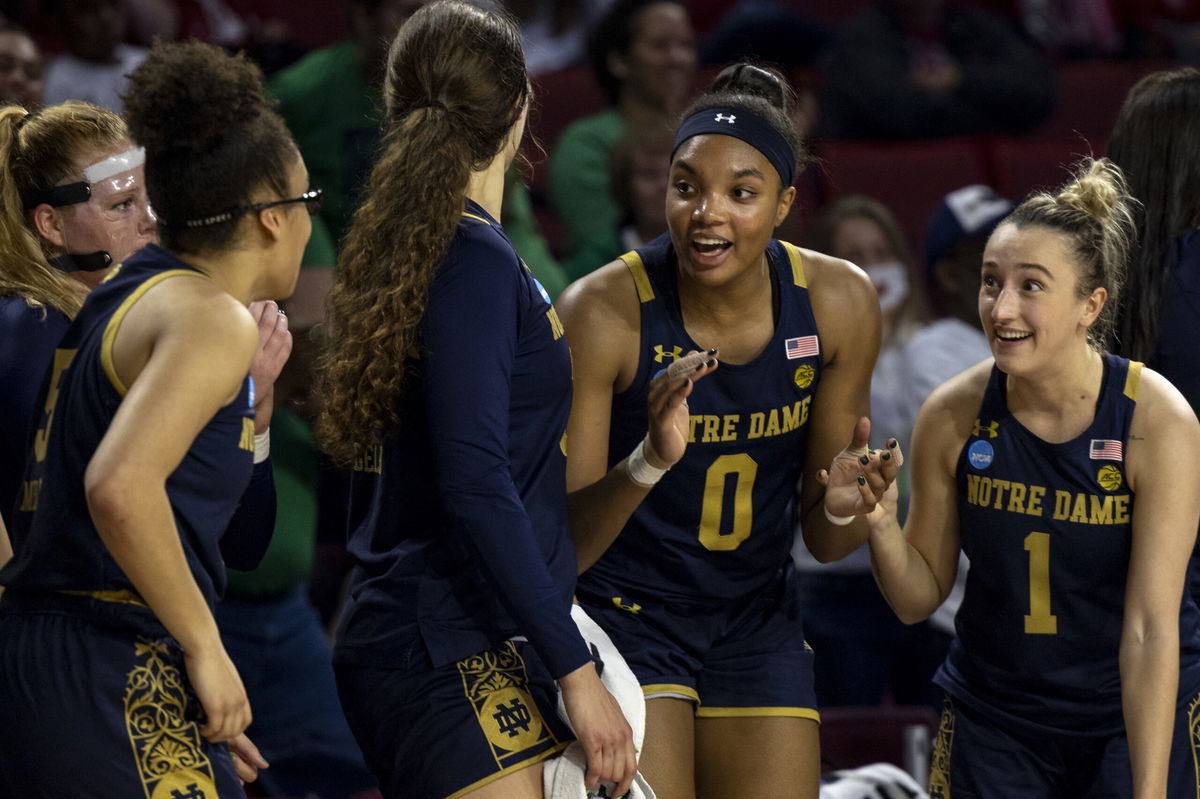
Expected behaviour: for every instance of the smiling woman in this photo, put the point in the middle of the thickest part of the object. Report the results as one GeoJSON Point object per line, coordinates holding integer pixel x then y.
{"type": "Point", "coordinates": [696, 588]}
{"type": "Point", "coordinates": [1075, 666]}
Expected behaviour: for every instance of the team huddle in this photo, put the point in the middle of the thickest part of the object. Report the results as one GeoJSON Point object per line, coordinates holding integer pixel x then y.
{"type": "Point", "coordinates": [571, 521]}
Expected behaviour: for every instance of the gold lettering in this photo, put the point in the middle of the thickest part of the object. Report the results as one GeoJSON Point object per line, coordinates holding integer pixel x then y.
{"type": "Point", "coordinates": [1062, 504]}
{"type": "Point", "coordinates": [62, 359]}
{"type": "Point", "coordinates": [985, 492]}
{"type": "Point", "coordinates": [973, 489]}
{"type": "Point", "coordinates": [1016, 498]}
{"type": "Point", "coordinates": [1079, 510]}
{"type": "Point", "coordinates": [692, 422]}
{"type": "Point", "coordinates": [1121, 516]}
{"type": "Point", "coordinates": [1001, 487]}
{"type": "Point", "coordinates": [772, 423]}
{"type": "Point", "coordinates": [370, 461]}
{"type": "Point", "coordinates": [1102, 510]}
{"type": "Point", "coordinates": [556, 325]}
{"type": "Point", "coordinates": [30, 491]}
{"type": "Point", "coordinates": [711, 425]}
{"type": "Point", "coordinates": [729, 428]}
{"type": "Point", "coordinates": [791, 416]}
{"type": "Point", "coordinates": [247, 440]}
{"type": "Point", "coordinates": [758, 421]}
{"type": "Point", "coordinates": [804, 403]}
{"type": "Point", "coordinates": [1034, 506]}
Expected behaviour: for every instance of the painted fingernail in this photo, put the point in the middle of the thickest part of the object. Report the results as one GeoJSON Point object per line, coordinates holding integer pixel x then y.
{"type": "Point", "coordinates": [862, 481]}
{"type": "Point", "coordinates": [701, 367]}
{"type": "Point", "coordinates": [887, 456]}
{"type": "Point", "coordinates": [712, 351]}
{"type": "Point", "coordinates": [864, 460]}
{"type": "Point", "coordinates": [892, 444]}
{"type": "Point", "coordinates": [711, 362]}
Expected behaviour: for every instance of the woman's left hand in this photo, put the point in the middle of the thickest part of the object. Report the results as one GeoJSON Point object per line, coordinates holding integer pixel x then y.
{"type": "Point", "coordinates": [274, 347]}
{"type": "Point", "coordinates": [246, 758]}
{"type": "Point", "coordinates": [668, 409]}
{"type": "Point", "coordinates": [859, 477]}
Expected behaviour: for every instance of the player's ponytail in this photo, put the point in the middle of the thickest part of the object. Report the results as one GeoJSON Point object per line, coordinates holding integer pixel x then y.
{"type": "Point", "coordinates": [455, 86]}
{"type": "Point", "coordinates": [38, 151]}
{"type": "Point", "coordinates": [1096, 211]}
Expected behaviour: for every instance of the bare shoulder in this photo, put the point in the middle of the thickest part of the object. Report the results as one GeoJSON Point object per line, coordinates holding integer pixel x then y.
{"type": "Point", "coordinates": [836, 280]}
{"type": "Point", "coordinates": [606, 296]}
{"type": "Point", "coordinates": [1161, 409]}
{"type": "Point", "coordinates": [194, 308]}
{"type": "Point", "coordinates": [950, 410]}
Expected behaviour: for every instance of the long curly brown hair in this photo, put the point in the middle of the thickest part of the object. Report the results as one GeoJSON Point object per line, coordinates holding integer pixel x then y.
{"type": "Point", "coordinates": [455, 86]}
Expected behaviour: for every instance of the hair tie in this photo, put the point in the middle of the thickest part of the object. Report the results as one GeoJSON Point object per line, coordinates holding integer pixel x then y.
{"type": "Point", "coordinates": [741, 123]}
{"type": "Point", "coordinates": [21, 122]}
{"type": "Point", "coordinates": [430, 104]}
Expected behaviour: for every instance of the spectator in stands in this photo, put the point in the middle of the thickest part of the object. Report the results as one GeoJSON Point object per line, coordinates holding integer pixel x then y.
{"type": "Point", "coordinates": [644, 55]}
{"type": "Point", "coordinates": [640, 164]}
{"type": "Point", "coordinates": [554, 32]}
{"type": "Point", "coordinates": [908, 69]}
{"type": "Point", "coordinates": [20, 68]}
{"type": "Point", "coordinates": [97, 60]}
{"type": "Point", "coordinates": [861, 648]}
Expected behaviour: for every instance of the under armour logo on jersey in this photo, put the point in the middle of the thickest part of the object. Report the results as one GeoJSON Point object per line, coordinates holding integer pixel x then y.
{"type": "Point", "coordinates": [660, 353]}
{"type": "Point", "coordinates": [730, 118]}
{"type": "Point", "coordinates": [991, 428]}
{"type": "Point", "coordinates": [632, 607]}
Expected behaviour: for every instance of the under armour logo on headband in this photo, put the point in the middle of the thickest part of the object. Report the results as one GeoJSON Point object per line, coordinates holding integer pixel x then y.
{"type": "Point", "coordinates": [730, 118]}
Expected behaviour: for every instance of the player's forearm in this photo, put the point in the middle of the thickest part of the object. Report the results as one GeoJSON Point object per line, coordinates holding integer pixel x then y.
{"type": "Point", "coordinates": [599, 512]}
{"type": "Point", "coordinates": [1149, 663]}
{"type": "Point", "coordinates": [902, 574]}
{"type": "Point", "coordinates": [138, 528]}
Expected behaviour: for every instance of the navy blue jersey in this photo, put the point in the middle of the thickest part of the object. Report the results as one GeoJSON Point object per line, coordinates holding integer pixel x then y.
{"type": "Point", "coordinates": [719, 524]}
{"type": "Point", "coordinates": [1047, 528]}
{"type": "Point", "coordinates": [56, 545]}
{"type": "Point", "coordinates": [458, 519]}
{"type": "Point", "coordinates": [28, 337]}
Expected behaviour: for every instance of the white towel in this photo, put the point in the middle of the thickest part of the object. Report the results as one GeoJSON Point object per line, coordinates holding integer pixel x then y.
{"type": "Point", "coordinates": [562, 776]}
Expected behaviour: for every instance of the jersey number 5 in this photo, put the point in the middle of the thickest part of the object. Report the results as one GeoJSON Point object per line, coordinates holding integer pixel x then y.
{"type": "Point", "coordinates": [745, 469]}
{"type": "Point", "coordinates": [62, 359]}
{"type": "Point", "coordinates": [1039, 621]}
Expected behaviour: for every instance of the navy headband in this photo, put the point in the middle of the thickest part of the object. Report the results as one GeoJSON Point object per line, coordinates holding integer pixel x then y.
{"type": "Point", "coordinates": [747, 126]}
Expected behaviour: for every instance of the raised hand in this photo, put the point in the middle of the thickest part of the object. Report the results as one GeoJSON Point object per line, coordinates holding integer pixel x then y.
{"type": "Point", "coordinates": [668, 409]}
{"type": "Point", "coordinates": [859, 477]}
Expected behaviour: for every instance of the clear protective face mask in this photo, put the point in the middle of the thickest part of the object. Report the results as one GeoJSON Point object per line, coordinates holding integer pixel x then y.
{"type": "Point", "coordinates": [891, 283]}
{"type": "Point", "coordinates": [111, 219]}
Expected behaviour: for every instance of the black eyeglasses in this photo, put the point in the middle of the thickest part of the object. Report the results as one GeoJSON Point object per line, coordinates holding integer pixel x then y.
{"type": "Point", "coordinates": [310, 198]}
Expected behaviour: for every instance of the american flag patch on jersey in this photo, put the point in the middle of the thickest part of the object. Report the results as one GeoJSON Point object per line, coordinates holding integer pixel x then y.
{"type": "Point", "coordinates": [1106, 449]}
{"type": "Point", "coordinates": [802, 347]}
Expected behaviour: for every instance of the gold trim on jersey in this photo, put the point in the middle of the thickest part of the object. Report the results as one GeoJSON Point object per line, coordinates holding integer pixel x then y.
{"type": "Point", "coordinates": [752, 712]}
{"type": "Point", "coordinates": [495, 682]}
{"type": "Point", "coordinates": [641, 279]}
{"type": "Point", "coordinates": [652, 691]}
{"type": "Point", "coordinates": [166, 746]}
{"type": "Point", "coordinates": [1133, 379]}
{"type": "Point", "coordinates": [114, 323]}
{"type": "Point", "coordinates": [504, 772]}
{"type": "Point", "coordinates": [797, 261]}
{"type": "Point", "coordinates": [1193, 720]}
{"type": "Point", "coordinates": [122, 597]}
{"type": "Point", "coordinates": [477, 218]}
{"type": "Point", "coordinates": [939, 762]}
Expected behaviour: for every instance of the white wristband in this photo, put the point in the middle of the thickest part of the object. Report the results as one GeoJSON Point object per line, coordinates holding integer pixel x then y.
{"type": "Point", "coordinates": [262, 446]}
{"type": "Point", "coordinates": [840, 521]}
{"type": "Point", "coordinates": [639, 470]}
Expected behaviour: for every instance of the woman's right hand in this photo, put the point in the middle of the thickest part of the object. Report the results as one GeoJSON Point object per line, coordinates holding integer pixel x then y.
{"type": "Point", "coordinates": [219, 688]}
{"type": "Point", "coordinates": [668, 412]}
{"type": "Point", "coordinates": [601, 728]}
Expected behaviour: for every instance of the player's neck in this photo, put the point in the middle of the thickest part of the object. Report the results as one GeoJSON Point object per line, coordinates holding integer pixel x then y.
{"type": "Point", "coordinates": [1058, 403]}
{"type": "Point", "coordinates": [486, 187]}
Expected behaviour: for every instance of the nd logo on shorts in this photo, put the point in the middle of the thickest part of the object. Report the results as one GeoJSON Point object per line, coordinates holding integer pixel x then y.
{"type": "Point", "coordinates": [1109, 477]}
{"type": "Point", "coordinates": [980, 454]}
{"type": "Point", "coordinates": [495, 683]}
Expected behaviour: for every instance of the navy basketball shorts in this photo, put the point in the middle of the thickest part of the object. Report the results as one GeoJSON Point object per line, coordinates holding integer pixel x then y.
{"type": "Point", "coordinates": [741, 658]}
{"type": "Point", "coordinates": [976, 758]}
{"type": "Point", "coordinates": [100, 712]}
{"type": "Point", "coordinates": [440, 732]}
